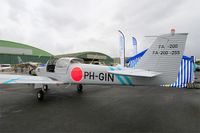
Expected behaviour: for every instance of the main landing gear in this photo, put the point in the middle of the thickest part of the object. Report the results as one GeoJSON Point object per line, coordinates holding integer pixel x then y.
{"type": "Point", "coordinates": [41, 92]}
{"type": "Point", "coordinates": [80, 88]}
{"type": "Point", "coordinates": [44, 88]}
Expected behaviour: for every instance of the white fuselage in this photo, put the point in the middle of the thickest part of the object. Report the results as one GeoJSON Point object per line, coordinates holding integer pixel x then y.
{"type": "Point", "coordinates": [86, 74]}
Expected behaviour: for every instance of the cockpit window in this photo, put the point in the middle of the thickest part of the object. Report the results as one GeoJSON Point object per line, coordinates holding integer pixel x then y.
{"type": "Point", "coordinates": [62, 63]}
{"type": "Point", "coordinates": [51, 65]}
{"type": "Point", "coordinates": [52, 61]}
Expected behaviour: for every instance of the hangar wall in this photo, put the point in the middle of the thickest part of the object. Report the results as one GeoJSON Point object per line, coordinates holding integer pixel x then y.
{"type": "Point", "coordinates": [14, 58]}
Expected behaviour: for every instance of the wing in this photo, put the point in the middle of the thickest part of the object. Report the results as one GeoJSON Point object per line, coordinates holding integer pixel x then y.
{"type": "Point", "coordinates": [25, 79]}
{"type": "Point", "coordinates": [135, 72]}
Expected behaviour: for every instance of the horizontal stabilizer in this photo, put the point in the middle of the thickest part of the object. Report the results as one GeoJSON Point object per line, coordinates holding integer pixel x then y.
{"type": "Point", "coordinates": [135, 73]}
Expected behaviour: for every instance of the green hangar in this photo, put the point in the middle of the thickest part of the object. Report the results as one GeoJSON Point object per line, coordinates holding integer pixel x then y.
{"type": "Point", "coordinates": [14, 53]}
{"type": "Point", "coordinates": [91, 57]}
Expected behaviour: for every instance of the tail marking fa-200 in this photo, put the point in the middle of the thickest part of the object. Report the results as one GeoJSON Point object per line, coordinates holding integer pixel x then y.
{"type": "Point", "coordinates": [158, 66]}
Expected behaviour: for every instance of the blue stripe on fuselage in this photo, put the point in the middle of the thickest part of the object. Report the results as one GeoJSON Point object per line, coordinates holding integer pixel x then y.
{"type": "Point", "coordinates": [126, 77]}
{"type": "Point", "coordinates": [117, 76]}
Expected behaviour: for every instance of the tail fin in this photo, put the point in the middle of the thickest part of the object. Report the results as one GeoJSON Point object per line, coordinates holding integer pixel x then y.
{"type": "Point", "coordinates": [164, 56]}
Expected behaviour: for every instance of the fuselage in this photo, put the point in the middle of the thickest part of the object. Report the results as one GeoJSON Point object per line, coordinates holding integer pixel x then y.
{"type": "Point", "coordinates": [85, 74]}
{"type": "Point", "coordinates": [74, 71]}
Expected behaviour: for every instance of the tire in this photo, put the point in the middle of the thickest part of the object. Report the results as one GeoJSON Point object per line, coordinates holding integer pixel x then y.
{"type": "Point", "coordinates": [80, 88]}
{"type": "Point", "coordinates": [45, 88]}
{"type": "Point", "coordinates": [40, 95]}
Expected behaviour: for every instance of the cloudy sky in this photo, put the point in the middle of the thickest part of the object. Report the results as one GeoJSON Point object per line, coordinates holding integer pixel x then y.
{"type": "Point", "coordinates": [67, 26]}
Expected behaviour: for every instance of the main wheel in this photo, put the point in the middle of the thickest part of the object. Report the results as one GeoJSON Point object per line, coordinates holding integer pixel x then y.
{"type": "Point", "coordinates": [45, 88]}
{"type": "Point", "coordinates": [80, 88]}
{"type": "Point", "coordinates": [40, 95]}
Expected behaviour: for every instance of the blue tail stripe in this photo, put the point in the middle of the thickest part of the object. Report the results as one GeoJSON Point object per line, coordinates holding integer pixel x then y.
{"type": "Point", "coordinates": [120, 79]}
{"type": "Point", "coordinates": [117, 76]}
{"type": "Point", "coordinates": [126, 78]}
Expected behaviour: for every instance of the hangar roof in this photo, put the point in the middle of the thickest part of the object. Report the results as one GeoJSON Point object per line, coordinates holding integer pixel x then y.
{"type": "Point", "coordinates": [89, 55]}
{"type": "Point", "coordinates": [14, 47]}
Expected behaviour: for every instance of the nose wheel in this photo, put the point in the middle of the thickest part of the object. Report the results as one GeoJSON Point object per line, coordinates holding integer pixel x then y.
{"type": "Point", "coordinates": [80, 88]}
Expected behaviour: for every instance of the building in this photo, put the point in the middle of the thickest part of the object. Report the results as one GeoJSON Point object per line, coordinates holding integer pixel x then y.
{"type": "Point", "coordinates": [14, 53]}
{"type": "Point", "coordinates": [91, 57]}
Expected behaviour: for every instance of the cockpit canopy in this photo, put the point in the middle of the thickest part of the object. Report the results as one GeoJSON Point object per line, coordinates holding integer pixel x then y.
{"type": "Point", "coordinates": [64, 62]}
{"type": "Point", "coordinates": [61, 63]}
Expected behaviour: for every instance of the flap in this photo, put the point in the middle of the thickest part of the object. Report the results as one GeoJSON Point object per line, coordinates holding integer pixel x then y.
{"type": "Point", "coordinates": [135, 72]}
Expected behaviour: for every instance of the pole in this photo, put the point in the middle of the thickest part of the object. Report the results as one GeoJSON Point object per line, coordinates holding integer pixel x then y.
{"type": "Point", "coordinates": [123, 46]}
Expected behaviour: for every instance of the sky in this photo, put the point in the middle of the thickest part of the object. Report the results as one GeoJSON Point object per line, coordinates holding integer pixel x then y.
{"type": "Point", "coordinates": [68, 26]}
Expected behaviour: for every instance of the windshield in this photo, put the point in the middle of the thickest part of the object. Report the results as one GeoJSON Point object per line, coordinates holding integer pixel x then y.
{"type": "Point", "coordinates": [62, 62]}
{"type": "Point", "coordinates": [73, 61]}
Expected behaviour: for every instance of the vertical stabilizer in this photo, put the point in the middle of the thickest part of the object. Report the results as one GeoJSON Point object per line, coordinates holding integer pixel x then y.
{"type": "Point", "coordinates": [164, 56]}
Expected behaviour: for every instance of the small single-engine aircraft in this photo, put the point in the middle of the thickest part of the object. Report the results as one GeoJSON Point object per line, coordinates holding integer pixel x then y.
{"type": "Point", "coordinates": [158, 66]}
{"type": "Point", "coordinates": [4, 67]}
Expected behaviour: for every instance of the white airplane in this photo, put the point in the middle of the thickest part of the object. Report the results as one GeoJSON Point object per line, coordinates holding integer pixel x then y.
{"type": "Point", "coordinates": [4, 67]}
{"type": "Point", "coordinates": [158, 66]}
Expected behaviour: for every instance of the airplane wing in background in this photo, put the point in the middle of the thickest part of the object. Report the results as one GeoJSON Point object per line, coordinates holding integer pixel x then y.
{"type": "Point", "coordinates": [135, 73]}
{"type": "Point", "coordinates": [25, 79]}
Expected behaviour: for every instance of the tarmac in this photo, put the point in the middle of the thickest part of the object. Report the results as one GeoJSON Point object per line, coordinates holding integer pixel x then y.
{"type": "Point", "coordinates": [100, 109]}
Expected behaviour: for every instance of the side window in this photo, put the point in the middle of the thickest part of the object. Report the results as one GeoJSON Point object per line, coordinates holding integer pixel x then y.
{"type": "Point", "coordinates": [51, 65]}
